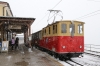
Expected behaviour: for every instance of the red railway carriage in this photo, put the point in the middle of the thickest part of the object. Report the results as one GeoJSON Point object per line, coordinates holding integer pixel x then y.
{"type": "Point", "coordinates": [62, 38]}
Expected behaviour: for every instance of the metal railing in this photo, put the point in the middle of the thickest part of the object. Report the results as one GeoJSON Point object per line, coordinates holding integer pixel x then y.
{"type": "Point", "coordinates": [92, 47]}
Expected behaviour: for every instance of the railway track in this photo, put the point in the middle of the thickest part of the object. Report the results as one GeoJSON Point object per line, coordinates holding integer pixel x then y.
{"type": "Point", "coordinates": [92, 54]}
{"type": "Point", "coordinates": [70, 62]}
{"type": "Point", "coordinates": [73, 63]}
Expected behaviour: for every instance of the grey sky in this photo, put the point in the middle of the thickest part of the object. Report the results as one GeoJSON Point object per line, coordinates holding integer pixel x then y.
{"type": "Point", "coordinates": [87, 11]}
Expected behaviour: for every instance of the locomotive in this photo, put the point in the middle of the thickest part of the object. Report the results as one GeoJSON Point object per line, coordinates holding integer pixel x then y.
{"type": "Point", "coordinates": [63, 39]}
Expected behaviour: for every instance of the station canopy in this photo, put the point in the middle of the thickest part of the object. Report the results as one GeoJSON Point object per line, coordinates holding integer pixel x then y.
{"type": "Point", "coordinates": [16, 24]}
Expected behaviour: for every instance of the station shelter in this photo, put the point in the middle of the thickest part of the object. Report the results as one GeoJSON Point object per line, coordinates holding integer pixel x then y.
{"type": "Point", "coordinates": [10, 25]}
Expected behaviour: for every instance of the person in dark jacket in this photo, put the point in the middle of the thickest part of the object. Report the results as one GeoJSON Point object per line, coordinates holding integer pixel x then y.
{"type": "Point", "coordinates": [16, 43]}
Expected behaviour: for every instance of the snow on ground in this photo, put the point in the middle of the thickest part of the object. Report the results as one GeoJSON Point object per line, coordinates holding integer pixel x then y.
{"type": "Point", "coordinates": [86, 60]}
{"type": "Point", "coordinates": [93, 52]}
{"type": "Point", "coordinates": [64, 63]}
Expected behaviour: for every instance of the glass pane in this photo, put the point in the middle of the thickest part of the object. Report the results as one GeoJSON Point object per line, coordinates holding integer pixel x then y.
{"type": "Point", "coordinates": [49, 30]}
{"type": "Point", "coordinates": [54, 29]}
{"type": "Point", "coordinates": [63, 28]}
{"type": "Point", "coordinates": [72, 28]}
{"type": "Point", "coordinates": [80, 27]}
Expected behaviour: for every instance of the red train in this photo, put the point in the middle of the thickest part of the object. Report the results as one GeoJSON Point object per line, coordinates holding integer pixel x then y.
{"type": "Point", "coordinates": [63, 39]}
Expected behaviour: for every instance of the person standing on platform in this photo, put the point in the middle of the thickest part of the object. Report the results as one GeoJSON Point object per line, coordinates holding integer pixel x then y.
{"type": "Point", "coordinates": [16, 43]}
{"type": "Point", "coordinates": [12, 43]}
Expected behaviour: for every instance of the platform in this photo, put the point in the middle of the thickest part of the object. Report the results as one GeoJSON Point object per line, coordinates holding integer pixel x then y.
{"type": "Point", "coordinates": [22, 57]}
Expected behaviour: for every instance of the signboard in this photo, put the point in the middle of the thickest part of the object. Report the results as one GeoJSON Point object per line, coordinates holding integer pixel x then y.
{"type": "Point", "coordinates": [14, 26]}
{"type": "Point", "coordinates": [5, 45]}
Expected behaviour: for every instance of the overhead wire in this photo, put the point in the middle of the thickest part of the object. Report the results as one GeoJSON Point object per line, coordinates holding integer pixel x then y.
{"type": "Point", "coordinates": [82, 17]}
{"type": "Point", "coordinates": [88, 15]}
{"type": "Point", "coordinates": [94, 0]}
{"type": "Point", "coordinates": [48, 13]}
{"type": "Point", "coordinates": [55, 14]}
{"type": "Point", "coordinates": [57, 4]}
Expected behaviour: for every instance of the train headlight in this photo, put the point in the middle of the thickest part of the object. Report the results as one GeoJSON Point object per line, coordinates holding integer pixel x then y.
{"type": "Point", "coordinates": [63, 47]}
{"type": "Point", "coordinates": [80, 46]}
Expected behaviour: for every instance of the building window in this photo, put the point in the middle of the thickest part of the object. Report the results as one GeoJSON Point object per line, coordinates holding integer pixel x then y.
{"type": "Point", "coordinates": [7, 13]}
{"type": "Point", "coordinates": [63, 28]}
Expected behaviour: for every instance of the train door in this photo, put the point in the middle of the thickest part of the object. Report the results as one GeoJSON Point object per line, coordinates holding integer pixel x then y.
{"type": "Point", "coordinates": [76, 36]}
{"type": "Point", "coordinates": [80, 36]}
{"type": "Point", "coordinates": [71, 37]}
{"type": "Point", "coordinates": [63, 36]}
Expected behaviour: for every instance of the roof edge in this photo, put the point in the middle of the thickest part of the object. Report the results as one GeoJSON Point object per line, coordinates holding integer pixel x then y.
{"type": "Point", "coordinates": [2, 2]}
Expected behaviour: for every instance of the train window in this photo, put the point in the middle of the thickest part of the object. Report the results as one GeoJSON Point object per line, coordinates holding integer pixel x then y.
{"type": "Point", "coordinates": [72, 29]}
{"type": "Point", "coordinates": [80, 27]}
{"type": "Point", "coordinates": [45, 31]}
{"type": "Point", "coordinates": [33, 36]}
{"type": "Point", "coordinates": [54, 29]}
{"type": "Point", "coordinates": [63, 28]}
{"type": "Point", "coordinates": [49, 30]}
{"type": "Point", "coordinates": [39, 35]}
{"type": "Point", "coordinates": [36, 35]}
{"type": "Point", "coordinates": [42, 33]}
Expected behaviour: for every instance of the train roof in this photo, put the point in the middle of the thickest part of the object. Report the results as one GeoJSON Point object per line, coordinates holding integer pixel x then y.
{"type": "Point", "coordinates": [70, 21]}
{"type": "Point", "coordinates": [65, 21]}
{"type": "Point", "coordinates": [62, 21]}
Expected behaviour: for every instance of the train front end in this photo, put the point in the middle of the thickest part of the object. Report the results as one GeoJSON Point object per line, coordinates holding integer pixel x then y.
{"type": "Point", "coordinates": [71, 38]}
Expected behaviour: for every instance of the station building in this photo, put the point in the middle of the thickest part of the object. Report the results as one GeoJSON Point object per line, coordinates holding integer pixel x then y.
{"type": "Point", "coordinates": [10, 25]}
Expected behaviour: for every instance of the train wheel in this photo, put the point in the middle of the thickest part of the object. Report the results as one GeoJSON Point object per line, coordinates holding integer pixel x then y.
{"type": "Point", "coordinates": [51, 54]}
{"type": "Point", "coordinates": [60, 58]}
{"type": "Point", "coordinates": [64, 59]}
{"type": "Point", "coordinates": [56, 55]}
